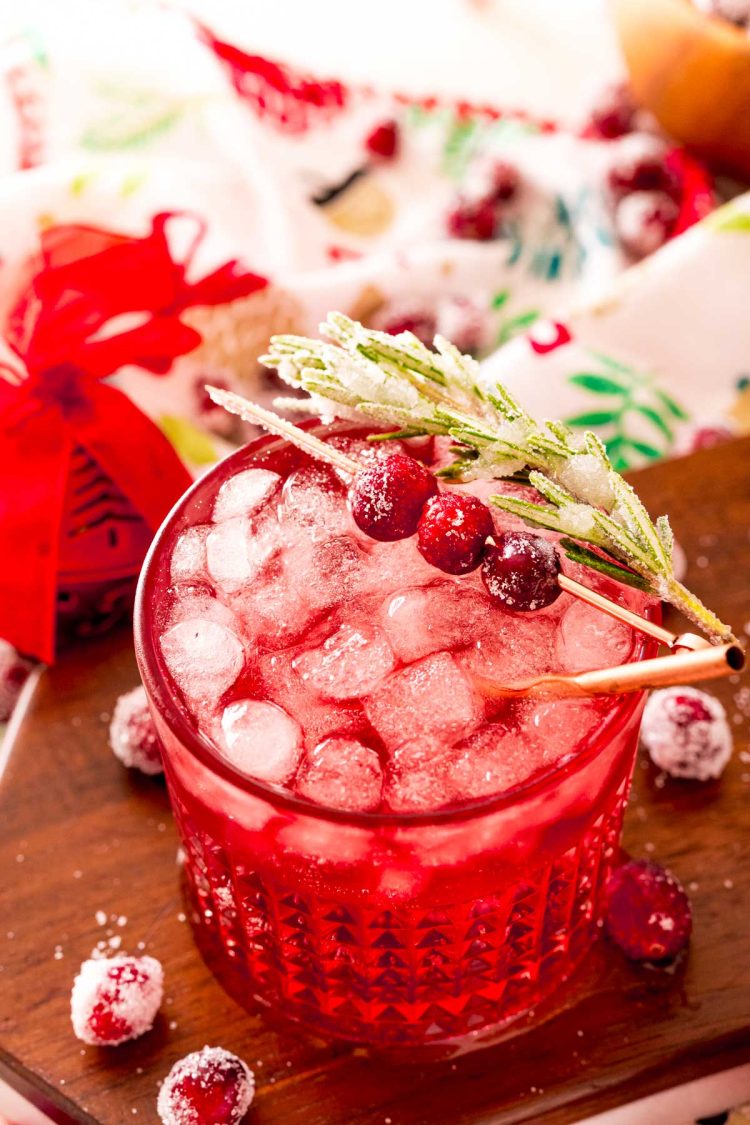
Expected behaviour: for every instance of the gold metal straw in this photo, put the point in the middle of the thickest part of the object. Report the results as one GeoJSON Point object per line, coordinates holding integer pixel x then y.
{"type": "Point", "coordinates": [664, 671]}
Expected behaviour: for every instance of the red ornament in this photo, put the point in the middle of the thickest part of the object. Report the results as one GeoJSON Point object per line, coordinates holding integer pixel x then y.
{"type": "Point", "coordinates": [86, 477]}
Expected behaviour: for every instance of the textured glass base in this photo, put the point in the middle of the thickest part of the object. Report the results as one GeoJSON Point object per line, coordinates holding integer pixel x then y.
{"type": "Point", "coordinates": [395, 974]}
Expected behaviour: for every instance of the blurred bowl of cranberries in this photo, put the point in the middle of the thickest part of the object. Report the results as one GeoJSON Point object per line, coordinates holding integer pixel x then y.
{"type": "Point", "coordinates": [689, 65]}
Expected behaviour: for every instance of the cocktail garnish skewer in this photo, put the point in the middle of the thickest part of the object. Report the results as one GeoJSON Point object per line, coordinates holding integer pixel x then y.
{"type": "Point", "coordinates": [693, 657]}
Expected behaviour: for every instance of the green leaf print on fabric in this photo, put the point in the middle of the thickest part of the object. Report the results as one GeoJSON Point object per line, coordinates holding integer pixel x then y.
{"type": "Point", "coordinates": [137, 118]}
{"type": "Point", "coordinates": [192, 444]}
{"type": "Point", "coordinates": [510, 326]}
{"type": "Point", "coordinates": [635, 424]}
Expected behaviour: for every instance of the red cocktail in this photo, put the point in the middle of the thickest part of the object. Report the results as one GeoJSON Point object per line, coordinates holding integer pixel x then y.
{"type": "Point", "coordinates": [374, 849]}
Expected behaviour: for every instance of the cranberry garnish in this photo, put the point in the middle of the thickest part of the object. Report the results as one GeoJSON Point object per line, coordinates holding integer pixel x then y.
{"type": "Point", "coordinates": [520, 571]}
{"type": "Point", "coordinates": [132, 734]}
{"type": "Point", "coordinates": [708, 437]}
{"type": "Point", "coordinates": [210, 1085]}
{"type": "Point", "coordinates": [383, 140]}
{"type": "Point", "coordinates": [648, 913]}
{"type": "Point", "coordinates": [644, 221]}
{"type": "Point", "coordinates": [613, 114]}
{"type": "Point", "coordinates": [686, 733]}
{"type": "Point", "coordinates": [475, 219]}
{"type": "Point", "coordinates": [641, 165]}
{"type": "Point", "coordinates": [115, 999]}
{"type": "Point", "coordinates": [452, 532]}
{"type": "Point", "coordinates": [386, 499]}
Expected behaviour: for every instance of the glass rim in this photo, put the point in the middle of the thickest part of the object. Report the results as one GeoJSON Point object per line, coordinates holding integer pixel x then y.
{"type": "Point", "coordinates": [166, 699]}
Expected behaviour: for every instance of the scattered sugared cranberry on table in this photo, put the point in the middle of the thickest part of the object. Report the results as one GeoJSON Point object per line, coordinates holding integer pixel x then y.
{"type": "Point", "coordinates": [132, 734]}
{"type": "Point", "coordinates": [648, 914]}
{"type": "Point", "coordinates": [453, 530]}
{"type": "Point", "coordinates": [708, 437]}
{"type": "Point", "coordinates": [207, 1087]}
{"type": "Point", "coordinates": [116, 999]}
{"type": "Point", "coordinates": [686, 733]}
{"type": "Point", "coordinates": [520, 572]}
{"type": "Point", "coordinates": [386, 499]}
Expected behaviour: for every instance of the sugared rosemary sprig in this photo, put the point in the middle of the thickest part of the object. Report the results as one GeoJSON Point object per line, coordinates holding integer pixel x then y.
{"type": "Point", "coordinates": [356, 373]}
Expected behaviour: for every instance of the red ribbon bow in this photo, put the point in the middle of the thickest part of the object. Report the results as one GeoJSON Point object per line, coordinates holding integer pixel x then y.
{"type": "Point", "coordinates": [60, 343]}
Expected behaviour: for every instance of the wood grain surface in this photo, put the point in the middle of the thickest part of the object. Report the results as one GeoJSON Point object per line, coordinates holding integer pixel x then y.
{"type": "Point", "coordinates": [81, 835]}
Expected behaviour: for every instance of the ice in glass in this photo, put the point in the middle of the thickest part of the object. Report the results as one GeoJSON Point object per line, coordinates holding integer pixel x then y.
{"type": "Point", "coordinates": [374, 847]}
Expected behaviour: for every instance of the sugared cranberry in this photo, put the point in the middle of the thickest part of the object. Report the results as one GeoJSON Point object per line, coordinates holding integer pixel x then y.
{"type": "Point", "coordinates": [386, 499]}
{"type": "Point", "coordinates": [115, 999]}
{"type": "Point", "coordinates": [708, 437]}
{"type": "Point", "coordinates": [647, 912]}
{"type": "Point", "coordinates": [453, 529]}
{"type": "Point", "coordinates": [208, 1087]}
{"type": "Point", "coordinates": [407, 316]}
{"type": "Point", "coordinates": [520, 571]}
{"type": "Point", "coordinates": [686, 733]}
{"type": "Point", "coordinates": [132, 734]}
{"type": "Point", "coordinates": [644, 221]}
{"type": "Point", "coordinates": [14, 671]}
{"type": "Point", "coordinates": [383, 140]}
{"type": "Point", "coordinates": [613, 113]}
{"type": "Point", "coordinates": [475, 219]}
{"type": "Point", "coordinates": [641, 165]}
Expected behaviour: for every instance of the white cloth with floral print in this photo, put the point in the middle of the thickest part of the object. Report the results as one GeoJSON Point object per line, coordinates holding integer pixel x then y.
{"type": "Point", "coordinates": [147, 113]}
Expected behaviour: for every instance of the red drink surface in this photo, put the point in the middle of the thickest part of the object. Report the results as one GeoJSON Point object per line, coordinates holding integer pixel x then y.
{"type": "Point", "coordinates": [370, 844]}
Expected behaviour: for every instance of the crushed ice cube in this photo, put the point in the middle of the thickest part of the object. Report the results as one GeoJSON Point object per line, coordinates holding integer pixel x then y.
{"type": "Point", "coordinates": [318, 719]}
{"type": "Point", "coordinates": [589, 638]}
{"type": "Point", "coordinates": [328, 570]}
{"type": "Point", "coordinates": [494, 759]}
{"type": "Point", "coordinates": [510, 649]}
{"type": "Point", "coordinates": [272, 613]}
{"type": "Point", "coordinates": [430, 697]}
{"type": "Point", "coordinates": [393, 566]}
{"type": "Point", "coordinates": [427, 619]}
{"type": "Point", "coordinates": [237, 550]}
{"type": "Point", "coordinates": [342, 773]}
{"type": "Point", "coordinates": [560, 726]}
{"type": "Point", "coordinates": [261, 740]}
{"type": "Point", "coordinates": [314, 498]}
{"type": "Point", "coordinates": [189, 601]}
{"type": "Point", "coordinates": [203, 657]}
{"type": "Point", "coordinates": [188, 561]}
{"type": "Point", "coordinates": [420, 788]}
{"type": "Point", "coordinates": [244, 493]}
{"type": "Point", "coordinates": [349, 664]}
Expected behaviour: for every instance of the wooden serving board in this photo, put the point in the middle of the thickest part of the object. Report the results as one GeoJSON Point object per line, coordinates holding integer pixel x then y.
{"type": "Point", "coordinates": [80, 835]}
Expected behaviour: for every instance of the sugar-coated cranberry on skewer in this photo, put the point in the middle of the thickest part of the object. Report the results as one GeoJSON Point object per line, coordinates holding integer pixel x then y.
{"type": "Point", "coordinates": [453, 530]}
{"type": "Point", "coordinates": [520, 571]}
{"type": "Point", "coordinates": [386, 499]}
